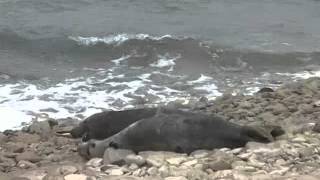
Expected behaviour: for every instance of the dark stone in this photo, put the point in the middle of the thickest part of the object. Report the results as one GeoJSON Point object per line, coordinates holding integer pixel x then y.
{"type": "Point", "coordinates": [316, 128]}
{"type": "Point", "coordinates": [265, 89]}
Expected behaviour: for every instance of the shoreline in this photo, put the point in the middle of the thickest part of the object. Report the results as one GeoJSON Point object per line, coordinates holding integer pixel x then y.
{"type": "Point", "coordinates": [35, 152]}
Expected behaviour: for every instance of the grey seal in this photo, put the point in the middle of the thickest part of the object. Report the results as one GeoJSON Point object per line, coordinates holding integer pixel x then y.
{"type": "Point", "coordinates": [105, 124]}
{"type": "Point", "coordinates": [178, 131]}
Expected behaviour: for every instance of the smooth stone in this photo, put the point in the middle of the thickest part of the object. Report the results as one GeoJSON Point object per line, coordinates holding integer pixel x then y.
{"type": "Point", "coordinates": [76, 177]}
{"type": "Point", "coordinates": [176, 178]}
{"type": "Point", "coordinates": [28, 156]}
{"type": "Point", "coordinates": [95, 162]}
{"type": "Point", "coordinates": [135, 159]}
{"type": "Point", "coordinates": [116, 156]}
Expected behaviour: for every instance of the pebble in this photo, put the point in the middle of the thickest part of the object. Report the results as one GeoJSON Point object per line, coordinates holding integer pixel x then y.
{"type": "Point", "coordinates": [75, 177]}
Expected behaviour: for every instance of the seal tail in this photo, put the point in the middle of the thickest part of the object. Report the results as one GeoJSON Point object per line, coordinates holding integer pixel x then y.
{"type": "Point", "coordinates": [263, 134]}
{"type": "Point", "coordinates": [254, 134]}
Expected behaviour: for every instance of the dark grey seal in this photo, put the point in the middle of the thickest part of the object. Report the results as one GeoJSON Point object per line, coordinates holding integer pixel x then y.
{"type": "Point", "coordinates": [105, 124]}
{"type": "Point", "coordinates": [175, 130]}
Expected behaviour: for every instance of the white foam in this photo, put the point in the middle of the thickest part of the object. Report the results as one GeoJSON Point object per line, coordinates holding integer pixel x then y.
{"type": "Point", "coordinates": [115, 39]}
{"type": "Point", "coordinates": [12, 118]}
{"type": "Point", "coordinates": [165, 61]}
{"type": "Point", "coordinates": [118, 61]}
{"type": "Point", "coordinates": [201, 79]}
{"type": "Point", "coordinates": [302, 75]}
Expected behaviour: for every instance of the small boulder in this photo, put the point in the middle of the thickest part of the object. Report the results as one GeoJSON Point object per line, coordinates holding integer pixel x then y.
{"type": "Point", "coordinates": [135, 159]}
{"type": "Point", "coordinates": [75, 177]}
{"type": "Point", "coordinates": [116, 156]}
{"type": "Point", "coordinates": [95, 162]}
{"type": "Point", "coordinates": [28, 156]}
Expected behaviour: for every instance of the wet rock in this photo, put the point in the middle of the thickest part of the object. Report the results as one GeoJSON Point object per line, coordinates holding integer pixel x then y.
{"type": "Point", "coordinates": [28, 156]}
{"type": "Point", "coordinates": [116, 156]}
{"type": "Point", "coordinates": [76, 177]}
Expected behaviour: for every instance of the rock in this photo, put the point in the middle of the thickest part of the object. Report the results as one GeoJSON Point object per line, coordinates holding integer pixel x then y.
{"type": "Point", "coordinates": [195, 174]}
{"type": "Point", "coordinates": [306, 152]}
{"type": "Point", "coordinates": [218, 165]}
{"type": "Point", "coordinates": [49, 177]}
{"type": "Point", "coordinates": [26, 164]}
{"type": "Point", "coordinates": [34, 175]}
{"type": "Point", "coordinates": [3, 138]}
{"type": "Point", "coordinates": [163, 171]}
{"type": "Point", "coordinates": [152, 171]}
{"type": "Point", "coordinates": [7, 162]}
{"type": "Point", "coordinates": [278, 108]}
{"type": "Point", "coordinates": [261, 177]}
{"type": "Point", "coordinates": [95, 162]}
{"type": "Point", "coordinates": [67, 169]}
{"type": "Point", "coordinates": [15, 147]}
{"type": "Point", "coordinates": [178, 171]}
{"type": "Point", "coordinates": [42, 128]}
{"type": "Point", "coordinates": [111, 177]}
{"type": "Point", "coordinates": [133, 166]}
{"type": "Point", "coordinates": [115, 172]}
{"type": "Point", "coordinates": [316, 128]}
{"type": "Point", "coordinates": [157, 158]}
{"type": "Point", "coordinates": [176, 160]}
{"type": "Point", "coordinates": [245, 105]}
{"type": "Point", "coordinates": [28, 156]}
{"type": "Point", "coordinates": [108, 166]}
{"type": "Point", "coordinates": [115, 156]}
{"type": "Point", "coordinates": [191, 163]}
{"type": "Point", "coordinates": [175, 178]}
{"type": "Point", "coordinates": [224, 174]}
{"type": "Point", "coordinates": [75, 177]}
{"type": "Point", "coordinates": [25, 138]}
{"type": "Point", "coordinates": [4, 176]}
{"type": "Point", "coordinates": [200, 153]}
{"type": "Point", "coordinates": [135, 159]}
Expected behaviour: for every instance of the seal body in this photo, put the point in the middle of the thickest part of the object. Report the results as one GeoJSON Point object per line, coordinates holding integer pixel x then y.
{"type": "Point", "coordinates": [178, 131]}
{"type": "Point", "coordinates": [105, 124]}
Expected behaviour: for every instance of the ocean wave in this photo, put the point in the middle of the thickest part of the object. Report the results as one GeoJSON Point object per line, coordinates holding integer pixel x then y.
{"type": "Point", "coordinates": [117, 39]}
